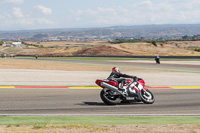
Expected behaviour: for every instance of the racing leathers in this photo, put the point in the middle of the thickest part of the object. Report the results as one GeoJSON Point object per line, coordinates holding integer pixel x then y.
{"type": "Point", "coordinates": [115, 76]}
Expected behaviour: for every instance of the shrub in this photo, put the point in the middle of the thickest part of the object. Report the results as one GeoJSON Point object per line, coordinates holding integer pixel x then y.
{"type": "Point", "coordinates": [197, 49]}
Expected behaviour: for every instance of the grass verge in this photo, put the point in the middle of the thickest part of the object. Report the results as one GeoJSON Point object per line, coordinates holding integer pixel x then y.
{"type": "Point", "coordinates": [98, 120]}
{"type": "Point", "coordinates": [98, 65]}
{"type": "Point", "coordinates": [114, 58]}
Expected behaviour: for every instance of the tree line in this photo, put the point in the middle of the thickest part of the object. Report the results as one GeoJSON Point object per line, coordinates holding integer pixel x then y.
{"type": "Point", "coordinates": [153, 41]}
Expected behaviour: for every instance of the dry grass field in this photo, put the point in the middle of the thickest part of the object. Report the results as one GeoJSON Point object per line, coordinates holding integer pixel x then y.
{"type": "Point", "coordinates": [178, 48]}
{"type": "Point", "coordinates": [67, 43]}
{"type": "Point", "coordinates": [149, 49]}
{"type": "Point", "coordinates": [103, 129]}
{"type": "Point", "coordinates": [65, 48]}
{"type": "Point", "coordinates": [42, 65]}
{"type": "Point", "coordinates": [28, 64]}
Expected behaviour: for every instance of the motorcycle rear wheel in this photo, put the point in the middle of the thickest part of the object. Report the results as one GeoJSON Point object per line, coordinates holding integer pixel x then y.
{"type": "Point", "coordinates": [109, 99]}
{"type": "Point", "coordinates": [147, 97]}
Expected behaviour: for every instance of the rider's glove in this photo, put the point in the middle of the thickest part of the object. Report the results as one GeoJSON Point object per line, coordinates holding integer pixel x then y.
{"type": "Point", "coordinates": [135, 78]}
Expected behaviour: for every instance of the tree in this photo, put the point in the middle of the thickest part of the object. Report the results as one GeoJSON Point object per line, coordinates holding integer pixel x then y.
{"type": "Point", "coordinates": [185, 37]}
{"type": "Point", "coordinates": [154, 43]}
{"type": "Point", "coordinates": [1, 42]}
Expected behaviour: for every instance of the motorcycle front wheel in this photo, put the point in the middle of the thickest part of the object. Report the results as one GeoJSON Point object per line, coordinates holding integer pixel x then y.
{"type": "Point", "coordinates": [147, 96]}
{"type": "Point", "coordinates": [108, 98]}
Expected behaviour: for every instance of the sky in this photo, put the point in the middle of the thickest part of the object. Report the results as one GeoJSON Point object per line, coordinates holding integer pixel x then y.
{"type": "Point", "coordinates": [48, 14]}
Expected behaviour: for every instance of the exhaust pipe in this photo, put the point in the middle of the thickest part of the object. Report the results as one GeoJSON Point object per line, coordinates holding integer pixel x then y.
{"type": "Point", "coordinates": [112, 88]}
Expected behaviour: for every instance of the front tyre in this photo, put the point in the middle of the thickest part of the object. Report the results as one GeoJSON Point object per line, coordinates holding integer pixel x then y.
{"type": "Point", "coordinates": [147, 96]}
{"type": "Point", "coordinates": [108, 98]}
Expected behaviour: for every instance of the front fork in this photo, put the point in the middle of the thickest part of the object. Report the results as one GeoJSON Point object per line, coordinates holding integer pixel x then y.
{"type": "Point", "coordinates": [139, 88]}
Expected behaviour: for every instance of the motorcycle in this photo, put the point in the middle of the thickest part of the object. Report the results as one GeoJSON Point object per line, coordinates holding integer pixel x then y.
{"type": "Point", "coordinates": [131, 91]}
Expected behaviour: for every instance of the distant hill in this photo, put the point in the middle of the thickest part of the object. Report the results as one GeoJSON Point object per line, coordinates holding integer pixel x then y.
{"type": "Point", "coordinates": [104, 33]}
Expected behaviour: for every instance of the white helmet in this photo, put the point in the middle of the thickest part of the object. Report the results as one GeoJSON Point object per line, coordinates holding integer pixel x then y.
{"type": "Point", "coordinates": [116, 69]}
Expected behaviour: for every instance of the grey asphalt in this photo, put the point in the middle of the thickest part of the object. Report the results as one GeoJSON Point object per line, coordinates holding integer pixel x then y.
{"type": "Point", "coordinates": [183, 75]}
{"type": "Point", "coordinates": [165, 65]}
{"type": "Point", "coordinates": [88, 102]}
{"type": "Point", "coordinates": [87, 78]}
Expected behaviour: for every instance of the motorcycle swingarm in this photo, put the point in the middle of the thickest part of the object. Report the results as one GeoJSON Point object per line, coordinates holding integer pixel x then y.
{"type": "Point", "coordinates": [111, 92]}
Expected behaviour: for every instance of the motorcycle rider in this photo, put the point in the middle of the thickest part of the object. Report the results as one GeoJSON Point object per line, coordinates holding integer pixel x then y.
{"type": "Point", "coordinates": [115, 76]}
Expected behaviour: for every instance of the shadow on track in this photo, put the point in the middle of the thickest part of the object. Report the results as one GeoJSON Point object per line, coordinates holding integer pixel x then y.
{"type": "Point", "coordinates": [94, 103]}
{"type": "Point", "coordinates": [103, 104]}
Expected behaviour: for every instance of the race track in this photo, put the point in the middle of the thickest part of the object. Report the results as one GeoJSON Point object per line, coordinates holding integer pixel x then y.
{"type": "Point", "coordinates": [165, 65]}
{"type": "Point", "coordinates": [87, 102]}
{"type": "Point", "coordinates": [65, 101]}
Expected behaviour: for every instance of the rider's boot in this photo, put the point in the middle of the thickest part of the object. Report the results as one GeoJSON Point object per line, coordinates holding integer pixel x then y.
{"type": "Point", "coordinates": [122, 88]}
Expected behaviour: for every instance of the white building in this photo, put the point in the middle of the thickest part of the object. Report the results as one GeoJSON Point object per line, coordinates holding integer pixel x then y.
{"type": "Point", "coordinates": [7, 44]}
{"type": "Point", "coordinates": [18, 44]}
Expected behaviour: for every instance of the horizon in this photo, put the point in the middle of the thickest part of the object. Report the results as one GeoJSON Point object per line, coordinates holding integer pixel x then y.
{"type": "Point", "coordinates": [68, 14]}
{"type": "Point", "coordinates": [98, 27]}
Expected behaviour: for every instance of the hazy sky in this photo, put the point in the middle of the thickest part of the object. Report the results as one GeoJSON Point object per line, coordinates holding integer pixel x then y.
{"type": "Point", "coordinates": [45, 14]}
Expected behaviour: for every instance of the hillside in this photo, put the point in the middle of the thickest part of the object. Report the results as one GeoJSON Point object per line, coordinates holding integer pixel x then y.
{"type": "Point", "coordinates": [64, 48]}
{"type": "Point", "coordinates": [103, 50]}
{"type": "Point", "coordinates": [177, 48]}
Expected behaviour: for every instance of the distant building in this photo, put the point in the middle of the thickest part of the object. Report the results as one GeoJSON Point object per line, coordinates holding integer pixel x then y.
{"type": "Point", "coordinates": [18, 44]}
{"type": "Point", "coordinates": [7, 44]}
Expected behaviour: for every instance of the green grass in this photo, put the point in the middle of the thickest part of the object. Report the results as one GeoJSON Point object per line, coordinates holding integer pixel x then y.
{"type": "Point", "coordinates": [109, 58]}
{"type": "Point", "coordinates": [86, 58]}
{"type": "Point", "coordinates": [119, 58]}
{"type": "Point", "coordinates": [114, 58]}
{"type": "Point", "coordinates": [95, 120]}
{"type": "Point", "coordinates": [139, 68]}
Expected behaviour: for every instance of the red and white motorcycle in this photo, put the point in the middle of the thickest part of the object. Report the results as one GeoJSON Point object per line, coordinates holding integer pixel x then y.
{"type": "Point", "coordinates": [133, 91]}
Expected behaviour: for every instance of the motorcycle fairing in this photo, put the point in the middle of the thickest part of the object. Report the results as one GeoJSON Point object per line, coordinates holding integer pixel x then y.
{"type": "Point", "coordinates": [113, 83]}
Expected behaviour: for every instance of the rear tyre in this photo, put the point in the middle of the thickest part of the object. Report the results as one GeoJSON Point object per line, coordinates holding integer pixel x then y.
{"type": "Point", "coordinates": [147, 96]}
{"type": "Point", "coordinates": [108, 98]}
